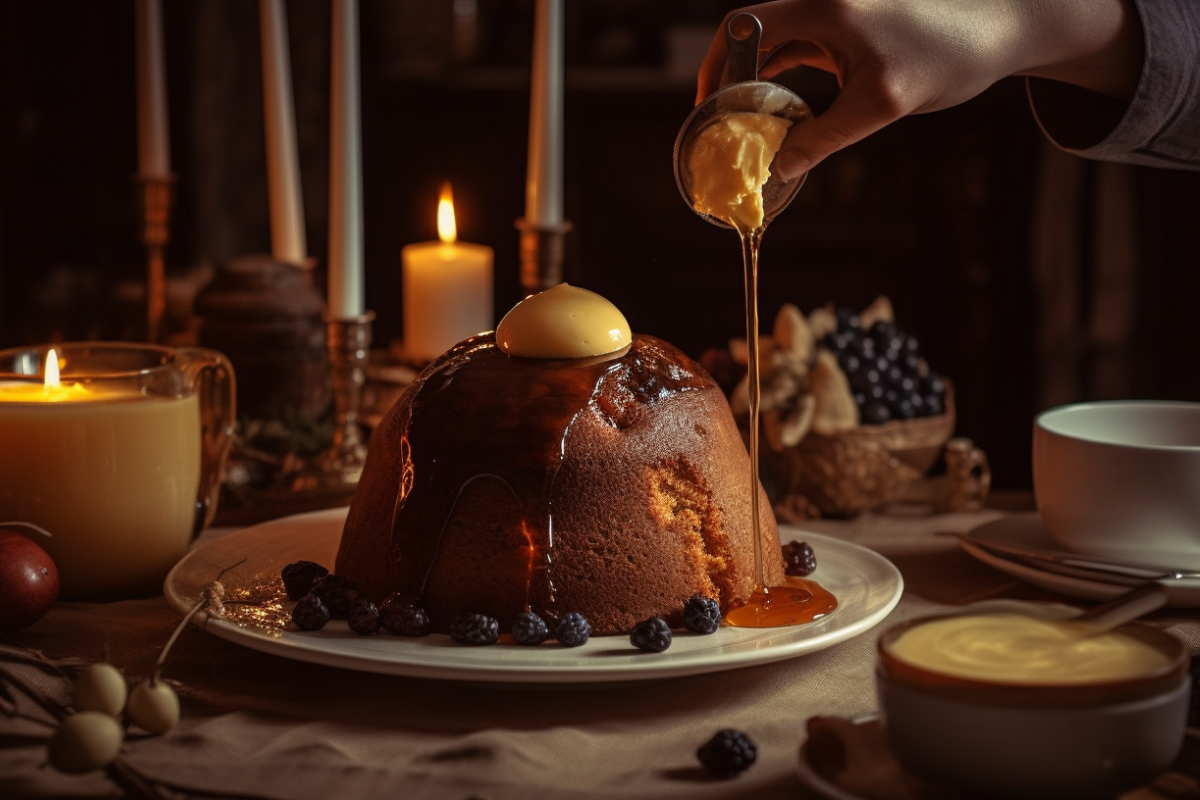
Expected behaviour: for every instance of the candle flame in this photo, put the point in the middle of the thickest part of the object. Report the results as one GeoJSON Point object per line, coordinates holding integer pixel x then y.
{"type": "Point", "coordinates": [52, 380]}
{"type": "Point", "coordinates": [447, 230]}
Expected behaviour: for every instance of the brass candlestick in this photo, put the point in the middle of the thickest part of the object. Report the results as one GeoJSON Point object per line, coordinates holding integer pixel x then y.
{"type": "Point", "coordinates": [155, 196]}
{"type": "Point", "coordinates": [542, 254]}
{"type": "Point", "coordinates": [349, 345]}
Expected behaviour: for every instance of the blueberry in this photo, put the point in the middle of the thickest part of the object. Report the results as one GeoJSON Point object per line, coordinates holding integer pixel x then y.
{"type": "Point", "coordinates": [310, 613]}
{"type": "Point", "coordinates": [799, 559]}
{"type": "Point", "coordinates": [529, 628]}
{"type": "Point", "coordinates": [701, 614]}
{"type": "Point", "coordinates": [876, 413]}
{"type": "Point", "coordinates": [652, 635]}
{"type": "Point", "coordinates": [572, 630]}
{"type": "Point", "coordinates": [727, 753]}
{"type": "Point", "coordinates": [849, 362]}
{"type": "Point", "coordinates": [933, 384]}
{"type": "Point", "coordinates": [404, 616]}
{"type": "Point", "coordinates": [847, 319]}
{"type": "Point", "coordinates": [299, 577]}
{"type": "Point", "coordinates": [904, 409]}
{"type": "Point", "coordinates": [363, 618]}
{"type": "Point", "coordinates": [934, 405]}
{"type": "Point", "coordinates": [475, 629]}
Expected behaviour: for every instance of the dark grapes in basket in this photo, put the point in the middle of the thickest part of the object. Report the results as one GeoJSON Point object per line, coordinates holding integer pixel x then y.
{"type": "Point", "coordinates": [887, 370]}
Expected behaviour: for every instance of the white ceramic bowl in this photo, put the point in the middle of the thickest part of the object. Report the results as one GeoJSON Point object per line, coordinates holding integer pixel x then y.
{"type": "Point", "coordinates": [994, 739]}
{"type": "Point", "coordinates": [1121, 479]}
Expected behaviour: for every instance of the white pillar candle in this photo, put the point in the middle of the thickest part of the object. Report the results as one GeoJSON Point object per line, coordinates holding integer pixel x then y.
{"type": "Point", "coordinates": [345, 167]}
{"type": "Point", "coordinates": [544, 176]}
{"type": "Point", "coordinates": [447, 289]}
{"type": "Point", "coordinates": [288, 241]}
{"type": "Point", "coordinates": [154, 143]}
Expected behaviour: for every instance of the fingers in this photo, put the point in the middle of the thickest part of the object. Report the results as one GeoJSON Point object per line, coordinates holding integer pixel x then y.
{"type": "Point", "coordinates": [843, 124]}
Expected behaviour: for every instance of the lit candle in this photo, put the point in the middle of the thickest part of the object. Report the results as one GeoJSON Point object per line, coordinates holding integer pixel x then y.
{"type": "Point", "coordinates": [283, 168]}
{"type": "Point", "coordinates": [544, 175]}
{"type": "Point", "coordinates": [345, 168]}
{"type": "Point", "coordinates": [447, 288]}
{"type": "Point", "coordinates": [154, 143]}
{"type": "Point", "coordinates": [111, 473]}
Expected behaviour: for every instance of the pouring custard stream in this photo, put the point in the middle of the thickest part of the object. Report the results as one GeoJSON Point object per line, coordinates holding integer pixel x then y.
{"type": "Point", "coordinates": [729, 164]}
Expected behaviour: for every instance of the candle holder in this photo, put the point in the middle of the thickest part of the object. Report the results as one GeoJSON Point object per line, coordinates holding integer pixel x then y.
{"type": "Point", "coordinates": [155, 197]}
{"type": "Point", "coordinates": [542, 254]}
{"type": "Point", "coordinates": [339, 468]}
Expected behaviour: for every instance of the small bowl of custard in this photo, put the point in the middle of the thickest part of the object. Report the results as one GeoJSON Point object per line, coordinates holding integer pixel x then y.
{"type": "Point", "coordinates": [1011, 699]}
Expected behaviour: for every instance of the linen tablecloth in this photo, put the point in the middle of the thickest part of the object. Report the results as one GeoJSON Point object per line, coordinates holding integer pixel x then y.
{"type": "Point", "coordinates": [261, 726]}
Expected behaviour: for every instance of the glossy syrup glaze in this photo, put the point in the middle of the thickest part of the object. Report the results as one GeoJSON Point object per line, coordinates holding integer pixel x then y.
{"type": "Point", "coordinates": [527, 408]}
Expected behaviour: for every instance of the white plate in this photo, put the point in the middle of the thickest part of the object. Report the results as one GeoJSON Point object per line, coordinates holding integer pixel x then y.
{"type": "Point", "coordinates": [1025, 533]}
{"type": "Point", "coordinates": [866, 584]}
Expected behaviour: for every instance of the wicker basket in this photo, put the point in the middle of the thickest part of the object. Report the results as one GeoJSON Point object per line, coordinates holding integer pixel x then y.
{"type": "Point", "coordinates": [845, 474]}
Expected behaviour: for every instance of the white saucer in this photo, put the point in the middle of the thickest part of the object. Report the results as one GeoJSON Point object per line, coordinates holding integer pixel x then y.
{"type": "Point", "coordinates": [1026, 534]}
{"type": "Point", "coordinates": [866, 584]}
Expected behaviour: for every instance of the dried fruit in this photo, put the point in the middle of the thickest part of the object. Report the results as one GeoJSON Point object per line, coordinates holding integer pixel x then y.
{"type": "Point", "coordinates": [701, 614]}
{"type": "Point", "coordinates": [530, 629]}
{"type": "Point", "coordinates": [799, 559]}
{"type": "Point", "coordinates": [300, 577]}
{"type": "Point", "coordinates": [404, 616]}
{"type": "Point", "coordinates": [100, 687]}
{"type": "Point", "coordinates": [337, 593]}
{"type": "Point", "coordinates": [475, 629]}
{"type": "Point", "coordinates": [728, 753]}
{"type": "Point", "coordinates": [310, 613]}
{"type": "Point", "coordinates": [652, 635]}
{"type": "Point", "coordinates": [363, 618]}
{"type": "Point", "coordinates": [572, 630]}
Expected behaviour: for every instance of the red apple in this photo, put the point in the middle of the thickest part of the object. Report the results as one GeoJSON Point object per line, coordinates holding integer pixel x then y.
{"type": "Point", "coordinates": [28, 581]}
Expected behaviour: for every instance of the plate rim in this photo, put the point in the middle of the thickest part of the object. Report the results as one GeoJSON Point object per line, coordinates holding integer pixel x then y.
{"type": "Point", "coordinates": [752, 647]}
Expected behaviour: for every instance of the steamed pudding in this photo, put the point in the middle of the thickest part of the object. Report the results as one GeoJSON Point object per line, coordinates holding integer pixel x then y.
{"type": "Point", "coordinates": [560, 464]}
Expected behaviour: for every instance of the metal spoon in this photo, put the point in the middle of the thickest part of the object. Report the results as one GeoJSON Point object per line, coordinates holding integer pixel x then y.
{"type": "Point", "coordinates": [746, 94]}
{"type": "Point", "coordinates": [1125, 608]}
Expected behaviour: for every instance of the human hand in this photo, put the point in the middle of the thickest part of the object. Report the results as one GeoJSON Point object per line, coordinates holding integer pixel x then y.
{"type": "Point", "coordinates": [898, 57]}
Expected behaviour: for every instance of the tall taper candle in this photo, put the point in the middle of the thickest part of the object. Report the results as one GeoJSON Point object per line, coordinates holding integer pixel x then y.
{"type": "Point", "coordinates": [544, 176]}
{"type": "Point", "coordinates": [288, 241]}
{"type": "Point", "coordinates": [154, 143]}
{"type": "Point", "coordinates": [345, 167]}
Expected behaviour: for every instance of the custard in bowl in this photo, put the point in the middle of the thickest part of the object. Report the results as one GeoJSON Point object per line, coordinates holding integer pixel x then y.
{"type": "Point", "coordinates": [1012, 699]}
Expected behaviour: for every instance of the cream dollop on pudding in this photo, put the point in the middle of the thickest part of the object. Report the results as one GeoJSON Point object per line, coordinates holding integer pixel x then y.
{"type": "Point", "coordinates": [730, 162]}
{"type": "Point", "coordinates": [563, 321]}
{"type": "Point", "coordinates": [1017, 648]}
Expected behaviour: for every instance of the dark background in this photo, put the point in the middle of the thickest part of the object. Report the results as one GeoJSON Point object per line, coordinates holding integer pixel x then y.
{"type": "Point", "coordinates": [976, 229]}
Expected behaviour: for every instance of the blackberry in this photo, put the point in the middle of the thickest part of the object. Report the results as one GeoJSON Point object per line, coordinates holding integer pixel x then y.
{"type": "Point", "coordinates": [363, 617]}
{"type": "Point", "coordinates": [728, 753]}
{"type": "Point", "coordinates": [799, 559]}
{"type": "Point", "coordinates": [299, 577]}
{"type": "Point", "coordinates": [572, 630]}
{"type": "Point", "coordinates": [652, 635]}
{"type": "Point", "coordinates": [474, 629]}
{"type": "Point", "coordinates": [529, 628]}
{"type": "Point", "coordinates": [404, 616]}
{"type": "Point", "coordinates": [310, 613]}
{"type": "Point", "coordinates": [701, 614]}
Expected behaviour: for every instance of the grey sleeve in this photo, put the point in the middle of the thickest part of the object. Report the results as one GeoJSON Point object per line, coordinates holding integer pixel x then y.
{"type": "Point", "coordinates": [1160, 126]}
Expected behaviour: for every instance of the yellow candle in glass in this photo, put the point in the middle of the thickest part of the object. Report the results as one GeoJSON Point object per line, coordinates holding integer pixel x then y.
{"type": "Point", "coordinates": [112, 476]}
